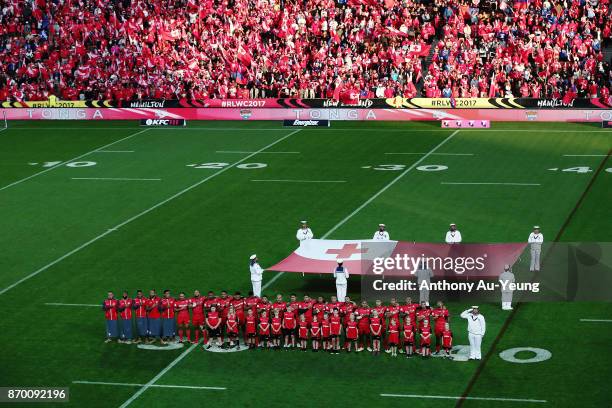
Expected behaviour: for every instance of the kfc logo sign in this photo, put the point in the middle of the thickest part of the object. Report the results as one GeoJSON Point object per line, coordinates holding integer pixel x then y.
{"type": "Point", "coordinates": [163, 122]}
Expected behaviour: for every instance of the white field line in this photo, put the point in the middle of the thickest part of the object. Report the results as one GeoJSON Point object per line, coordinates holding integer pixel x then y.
{"type": "Point", "coordinates": [372, 198]}
{"type": "Point", "coordinates": [74, 304]}
{"type": "Point", "coordinates": [438, 154]}
{"type": "Point", "coordinates": [300, 181]}
{"type": "Point", "coordinates": [73, 159]}
{"type": "Point", "coordinates": [597, 320]}
{"type": "Point", "coordinates": [115, 179]}
{"type": "Point", "coordinates": [243, 152]}
{"type": "Point", "coordinates": [140, 214]}
{"type": "Point", "coordinates": [114, 151]}
{"type": "Point", "coordinates": [463, 398]}
{"type": "Point", "coordinates": [489, 184]}
{"type": "Point", "coordinates": [190, 387]}
{"type": "Point", "coordinates": [585, 155]}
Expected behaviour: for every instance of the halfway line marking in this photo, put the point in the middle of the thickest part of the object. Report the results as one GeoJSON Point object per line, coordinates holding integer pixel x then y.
{"type": "Point", "coordinates": [241, 152]}
{"type": "Point", "coordinates": [115, 179]}
{"type": "Point", "coordinates": [73, 304]}
{"type": "Point", "coordinates": [463, 398]}
{"type": "Point", "coordinates": [140, 214]}
{"type": "Point", "coordinates": [73, 159]}
{"type": "Point", "coordinates": [302, 181]}
{"type": "Point", "coordinates": [597, 320]}
{"type": "Point", "coordinates": [491, 184]}
{"type": "Point", "coordinates": [372, 198]}
{"type": "Point", "coordinates": [191, 387]}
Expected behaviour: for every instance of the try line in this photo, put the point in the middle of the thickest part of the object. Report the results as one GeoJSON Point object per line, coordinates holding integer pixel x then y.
{"type": "Point", "coordinates": [189, 387]}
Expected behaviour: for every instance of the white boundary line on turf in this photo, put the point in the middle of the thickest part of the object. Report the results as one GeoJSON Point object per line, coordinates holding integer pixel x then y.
{"type": "Point", "coordinates": [438, 154]}
{"type": "Point", "coordinates": [372, 198]}
{"type": "Point", "coordinates": [300, 181]}
{"type": "Point", "coordinates": [464, 398]}
{"type": "Point", "coordinates": [74, 158]}
{"type": "Point", "coordinates": [242, 152]}
{"type": "Point", "coordinates": [585, 155]}
{"type": "Point", "coordinates": [114, 151]}
{"type": "Point", "coordinates": [190, 387]}
{"type": "Point", "coordinates": [115, 179]}
{"type": "Point", "coordinates": [597, 320]}
{"type": "Point", "coordinates": [488, 184]}
{"type": "Point", "coordinates": [140, 214]}
{"type": "Point", "coordinates": [73, 304]}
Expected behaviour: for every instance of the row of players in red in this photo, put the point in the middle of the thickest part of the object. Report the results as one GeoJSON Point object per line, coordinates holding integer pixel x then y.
{"type": "Point", "coordinates": [291, 323]}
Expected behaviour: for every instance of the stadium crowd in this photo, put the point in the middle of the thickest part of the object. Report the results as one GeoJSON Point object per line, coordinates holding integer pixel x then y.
{"type": "Point", "coordinates": [317, 324]}
{"type": "Point", "coordinates": [173, 49]}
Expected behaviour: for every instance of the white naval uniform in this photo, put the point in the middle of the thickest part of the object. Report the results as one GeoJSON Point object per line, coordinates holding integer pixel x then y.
{"type": "Point", "coordinates": [341, 274]}
{"type": "Point", "coordinates": [476, 329]}
{"type": "Point", "coordinates": [304, 234]}
{"type": "Point", "coordinates": [381, 236]}
{"type": "Point", "coordinates": [424, 275]}
{"type": "Point", "coordinates": [535, 241]}
{"type": "Point", "coordinates": [453, 237]}
{"type": "Point", "coordinates": [256, 278]}
{"type": "Point", "coordinates": [506, 278]}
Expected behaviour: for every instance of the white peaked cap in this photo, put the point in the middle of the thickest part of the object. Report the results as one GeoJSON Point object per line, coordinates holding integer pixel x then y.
{"type": "Point", "coordinates": [474, 307]}
{"type": "Point", "coordinates": [303, 222]}
{"type": "Point", "coordinates": [253, 257]}
{"type": "Point", "coordinates": [536, 227]}
{"type": "Point", "coordinates": [381, 225]}
{"type": "Point", "coordinates": [452, 223]}
{"type": "Point", "coordinates": [340, 261]}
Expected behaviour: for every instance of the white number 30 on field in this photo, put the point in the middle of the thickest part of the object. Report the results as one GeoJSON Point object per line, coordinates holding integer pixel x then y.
{"type": "Point", "coordinates": [247, 166]}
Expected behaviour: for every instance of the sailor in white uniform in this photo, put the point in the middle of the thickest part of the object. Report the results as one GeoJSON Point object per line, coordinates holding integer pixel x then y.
{"type": "Point", "coordinates": [304, 233]}
{"type": "Point", "coordinates": [476, 330]}
{"type": "Point", "coordinates": [506, 280]}
{"type": "Point", "coordinates": [535, 242]}
{"type": "Point", "coordinates": [256, 275]}
{"type": "Point", "coordinates": [341, 274]}
{"type": "Point", "coordinates": [381, 234]}
{"type": "Point", "coordinates": [453, 236]}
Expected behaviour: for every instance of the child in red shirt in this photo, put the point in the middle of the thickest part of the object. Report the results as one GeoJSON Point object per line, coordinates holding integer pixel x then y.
{"type": "Point", "coordinates": [425, 339]}
{"type": "Point", "coordinates": [276, 329]}
{"type": "Point", "coordinates": [315, 332]}
{"type": "Point", "coordinates": [376, 332]}
{"type": "Point", "coordinates": [352, 332]}
{"type": "Point", "coordinates": [231, 327]}
{"type": "Point", "coordinates": [447, 340]}
{"type": "Point", "coordinates": [325, 331]}
{"type": "Point", "coordinates": [408, 337]}
{"type": "Point", "coordinates": [251, 329]}
{"type": "Point", "coordinates": [393, 336]}
{"type": "Point", "coordinates": [335, 325]}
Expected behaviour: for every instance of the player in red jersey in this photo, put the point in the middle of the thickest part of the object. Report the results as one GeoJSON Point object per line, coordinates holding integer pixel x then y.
{"type": "Point", "coordinates": [223, 303]}
{"type": "Point", "coordinates": [303, 332]}
{"type": "Point", "coordinates": [124, 307]}
{"type": "Point", "coordinates": [251, 329]}
{"type": "Point", "coordinates": [318, 308]}
{"type": "Point", "coordinates": [423, 313]}
{"type": "Point", "coordinates": [447, 340]}
{"type": "Point", "coordinates": [325, 332]}
{"type": "Point", "coordinates": [335, 328]}
{"type": "Point", "coordinates": [264, 330]}
{"type": "Point", "coordinates": [251, 302]}
{"type": "Point", "coordinates": [110, 314]}
{"type": "Point", "coordinates": [239, 304]}
{"type": "Point", "coordinates": [153, 315]}
{"type": "Point", "coordinates": [425, 341]}
{"type": "Point", "coordinates": [393, 336]}
{"type": "Point", "coordinates": [140, 310]}
{"type": "Point", "coordinates": [196, 304]}
{"type": "Point", "coordinates": [409, 309]}
{"type": "Point", "coordinates": [441, 317]}
{"type": "Point", "coordinates": [295, 305]}
{"type": "Point", "coordinates": [279, 305]}
{"type": "Point", "coordinates": [352, 333]}
{"type": "Point", "coordinates": [375, 331]}
{"type": "Point", "coordinates": [231, 327]}
{"type": "Point", "coordinates": [289, 325]}
{"type": "Point", "coordinates": [264, 305]}
{"type": "Point", "coordinates": [166, 307]}
{"type": "Point", "coordinates": [213, 325]}
{"type": "Point", "coordinates": [332, 304]}
{"type": "Point", "coordinates": [392, 312]}
{"type": "Point", "coordinates": [276, 328]}
{"type": "Point", "coordinates": [362, 314]}
{"type": "Point", "coordinates": [408, 337]}
{"type": "Point", "coordinates": [315, 332]}
{"type": "Point", "coordinates": [182, 318]}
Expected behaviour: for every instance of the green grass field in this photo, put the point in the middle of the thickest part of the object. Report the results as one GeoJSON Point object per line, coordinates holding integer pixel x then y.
{"type": "Point", "coordinates": [70, 234]}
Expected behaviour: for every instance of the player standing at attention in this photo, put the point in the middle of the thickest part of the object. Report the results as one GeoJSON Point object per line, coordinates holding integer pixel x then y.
{"type": "Point", "coordinates": [196, 303]}
{"type": "Point", "coordinates": [535, 243]}
{"type": "Point", "coordinates": [392, 312]}
{"type": "Point", "coordinates": [153, 316]}
{"type": "Point", "coordinates": [264, 329]}
{"type": "Point", "coordinates": [181, 307]}
{"type": "Point", "coordinates": [447, 340]}
{"type": "Point", "coordinates": [124, 306]}
{"type": "Point", "coordinates": [166, 307]}
{"type": "Point", "coordinates": [326, 332]}
{"type": "Point", "coordinates": [304, 233]}
{"type": "Point", "coordinates": [140, 309]}
{"type": "Point", "coordinates": [256, 274]}
{"type": "Point", "coordinates": [341, 275]}
{"type": "Point", "coordinates": [110, 314]}
{"type": "Point", "coordinates": [276, 328]}
{"type": "Point", "coordinates": [289, 325]}
{"type": "Point", "coordinates": [231, 327]}
{"type": "Point", "coordinates": [315, 332]}
{"type": "Point", "coordinates": [362, 314]}
{"type": "Point", "coordinates": [425, 342]}
{"type": "Point", "coordinates": [213, 324]}
{"type": "Point", "coordinates": [352, 333]}
{"type": "Point", "coordinates": [209, 302]}
{"type": "Point", "coordinates": [440, 316]}
{"type": "Point", "coordinates": [279, 304]}
{"type": "Point", "coordinates": [408, 337]}
{"type": "Point", "coordinates": [318, 308]}
{"type": "Point", "coordinates": [393, 339]}
{"type": "Point", "coordinates": [453, 235]}
{"type": "Point", "coordinates": [251, 302]}
{"type": "Point", "coordinates": [376, 331]}
{"type": "Point", "coordinates": [303, 332]}
{"type": "Point", "coordinates": [381, 234]}
{"type": "Point", "coordinates": [251, 329]}
{"type": "Point", "coordinates": [335, 329]}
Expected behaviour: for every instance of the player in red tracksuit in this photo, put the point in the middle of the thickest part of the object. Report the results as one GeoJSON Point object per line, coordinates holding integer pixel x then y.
{"type": "Point", "coordinates": [110, 314]}
{"type": "Point", "coordinates": [315, 332]}
{"type": "Point", "coordinates": [408, 336]}
{"type": "Point", "coordinates": [376, 328]}
{"type": "Point", "coordinates": [393, 336]}
{"type": "Point", "coordinates": [335, 329]}
{"type": "Point", "coordinates": [213, 324]}
{"type": "Point", "coordinates": [441, 317]}
{"type": "Point", "coordinates": [392, 312]}
{"type": "Point", "coordinates": [181, 307]}
{"type": "Point", "coordinates": [362, 313]}
{"type": "Point", "coordinates": [326, 332]}
{"type": "Point", "coordinates": [251, 329]}
{"type": "Point", "coordinates": [196, 303]}
{"type": "Point", "coordinates": [264, 330]}
{"type": "Point", "coordinates": [352, 333]}
{"type": "Point", "coordinates": [447, 340]}
{"type": "Point", "coordinates": [289, 325]}
{"type": "Point", "coordinates": [276, 328]}
{"type": "Point", "coordinates": [231, 327]}
{"type": "Point", "coordinates": [303, 332]}
{"type": "Point", "coordinates": [425, 342]}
